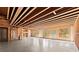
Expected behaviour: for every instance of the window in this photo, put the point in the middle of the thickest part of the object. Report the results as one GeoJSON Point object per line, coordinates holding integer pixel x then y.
{"type": "Point", "coordinates": [64, 33]}
{"type": "Point", "coordinates": [50, 34]}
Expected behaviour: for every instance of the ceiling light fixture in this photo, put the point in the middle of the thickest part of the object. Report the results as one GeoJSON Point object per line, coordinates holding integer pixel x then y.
{"type": "Point", "coordinates": [54, 12]}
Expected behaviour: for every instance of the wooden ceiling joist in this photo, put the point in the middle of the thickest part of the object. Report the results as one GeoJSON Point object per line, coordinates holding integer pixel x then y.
{"type": "Point", "coordinates": [27, 14]}
{"type": "Point", "coordinates": [43, 15]}
{"type": "Point", "coordinates": [8, 12]}
{"type": "Point", "coordinates": [60, 19]}
{"type": "Point", "coordinates": [12, 13]}
{"type": "Point", "coordinates": [53, 22]}
{"type": "Point", "coordinates": [16, 15]}
{"type": "Point", "coordinates": [61, 16]}
{"type": "Point", "coordinates": [67, 15]}
{"type": "Point", "coordinates": [22, 14]}
{"type": "Point", "coordinates": [63, 13]}
{"type": "Point", "coordinates": [57, 17]}
{"type": "Point", "coordinates": [37, 14]}
{"type": "Point", "coordinates": [64, 19]}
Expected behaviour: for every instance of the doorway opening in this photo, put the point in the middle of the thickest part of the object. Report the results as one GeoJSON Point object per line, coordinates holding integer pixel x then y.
{"type": "Point", "coordinates": [3, 34]}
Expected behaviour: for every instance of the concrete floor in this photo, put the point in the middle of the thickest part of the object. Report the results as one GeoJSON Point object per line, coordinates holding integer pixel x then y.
{"type": "Point", "coordinates": [38, 45]}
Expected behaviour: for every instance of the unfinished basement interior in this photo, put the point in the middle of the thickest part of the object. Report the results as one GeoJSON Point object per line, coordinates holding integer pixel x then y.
{"type": "Point", "coordinates": [39, 29]}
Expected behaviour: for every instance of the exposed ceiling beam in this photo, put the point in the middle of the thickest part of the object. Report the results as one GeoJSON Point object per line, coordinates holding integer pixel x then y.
{"type": "Point", "coordinates": [37, 14]}
{"type": "Point", "coordinates": [62, 14]}
{"type": "Point", "coordinates": [16, 14]}
{"type": "Point", "coordinates": [60, 19]}
{"type": "Point", "coordinates": [22, 14]}
{"type": "Point", "coordinates": [12, 12]}
{"type": "Point", "coordinates": [8, 12]}
{"type": "Point", "coordinates": [27, 14]}
{"type": "Point", "coordinates": [53, 20]}
{"type": "Point", "coordinates": [43, 15]}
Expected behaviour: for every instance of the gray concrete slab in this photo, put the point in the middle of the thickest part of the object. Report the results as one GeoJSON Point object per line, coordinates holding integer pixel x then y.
{"type": "Point", "coordinates": [38, 45]}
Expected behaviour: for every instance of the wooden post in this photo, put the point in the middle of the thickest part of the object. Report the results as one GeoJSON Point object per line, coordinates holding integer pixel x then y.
{"type": "Point", "coordinates": [77, 32]}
